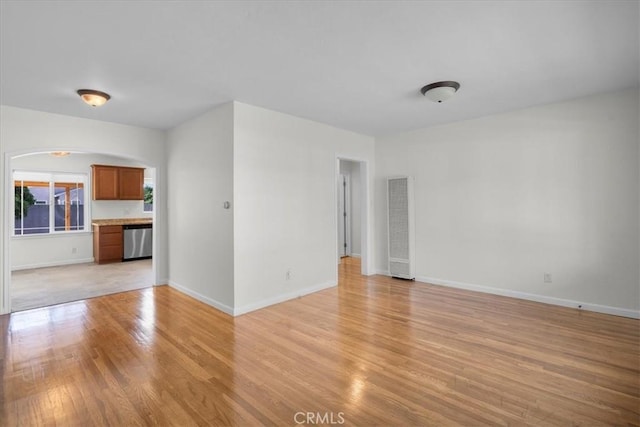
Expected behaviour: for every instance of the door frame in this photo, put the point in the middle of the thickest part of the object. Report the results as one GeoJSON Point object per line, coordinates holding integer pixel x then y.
{"type": "Point", "coordinates": [366, 219]}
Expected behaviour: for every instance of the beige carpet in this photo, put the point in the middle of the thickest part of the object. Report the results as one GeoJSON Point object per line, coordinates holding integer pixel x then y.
{"type": "Point", "coordinates": [41, 287]}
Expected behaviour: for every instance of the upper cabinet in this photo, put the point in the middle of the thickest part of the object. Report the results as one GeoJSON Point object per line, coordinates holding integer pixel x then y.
{"type": "Point", "coordinates": [131, 183]}
{"type": "Point", "coordinates": [105, 182]}
{"type": "Point", "coordinates": [117, 183]}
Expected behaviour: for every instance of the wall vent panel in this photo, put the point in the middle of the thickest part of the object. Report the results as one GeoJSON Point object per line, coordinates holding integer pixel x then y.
{"type": "Point", "coordinates": [401, 225]}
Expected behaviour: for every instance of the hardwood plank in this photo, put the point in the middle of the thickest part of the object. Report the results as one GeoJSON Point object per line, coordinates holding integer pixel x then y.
{"type": "Point", "coordinates": [374, 350]}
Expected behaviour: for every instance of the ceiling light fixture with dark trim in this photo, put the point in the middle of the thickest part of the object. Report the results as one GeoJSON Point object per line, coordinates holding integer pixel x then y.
{"type": "Point", "coordinates": [440, 91]}
{"type": "Point", "coordinates": [95, 98]}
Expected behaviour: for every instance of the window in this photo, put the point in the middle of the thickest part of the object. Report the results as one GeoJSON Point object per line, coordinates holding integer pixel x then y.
{"type": "Point", "coordinates": [148, 195]}
{"type": "Point", "coordinates": [48, 203]}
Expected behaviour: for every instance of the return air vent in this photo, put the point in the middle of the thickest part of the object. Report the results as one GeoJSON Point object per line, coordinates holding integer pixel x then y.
{"type": "Point", "coordinates": [401, 227]}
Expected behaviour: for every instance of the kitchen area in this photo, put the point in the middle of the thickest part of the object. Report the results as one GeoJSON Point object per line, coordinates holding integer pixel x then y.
{"type": "Point", "coordinates": [120, 239]}
{"type": "Point", "coordinates": [106, 246]}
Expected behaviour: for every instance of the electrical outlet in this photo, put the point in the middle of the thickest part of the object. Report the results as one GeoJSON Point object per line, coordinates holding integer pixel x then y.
{"type": "Point", "coordinates": [288, 274]}
{"type": "Point", "coordinates": [74, 250]}
{"type": "Point", "coordinates": [547, 277]}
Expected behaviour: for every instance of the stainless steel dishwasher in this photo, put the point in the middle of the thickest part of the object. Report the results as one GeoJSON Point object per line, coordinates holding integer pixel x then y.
{"type": "Point", "coordinates": [138, 241]}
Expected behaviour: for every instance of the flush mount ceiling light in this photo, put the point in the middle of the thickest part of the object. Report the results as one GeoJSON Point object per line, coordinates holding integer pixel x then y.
{"type": "Point", "coordinates": [60, 153]}
{"type": "Point", "coordinates": [95, 98]}
{"type": "Point", "coordinates": [440, 91]}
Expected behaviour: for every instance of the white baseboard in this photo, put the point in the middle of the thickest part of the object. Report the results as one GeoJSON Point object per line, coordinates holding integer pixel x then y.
{"type": "Point", "coordinates": [253, 306]}
{"type": "Point", "coordinates": [53, 264]}
{"type": "Point", "coordinates": [355, 255]}
{"type": "Point", "coordinates": [383, 272]}
{"type": "Point", "coordinates": [616, 311]}
{"type": "Point", "coordinates": [209, 301]}
{"type": "Point", "coordinates": [283, 297]}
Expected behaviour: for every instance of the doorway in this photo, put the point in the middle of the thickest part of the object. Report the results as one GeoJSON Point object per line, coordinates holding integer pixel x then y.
{"type": "Point", "coordinates": [350, 222]}
{"type": "Point", "coordinates": [55, 264]}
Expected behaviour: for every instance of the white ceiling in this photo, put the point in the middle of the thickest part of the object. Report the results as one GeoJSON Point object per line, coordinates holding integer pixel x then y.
{"type": "Point", "coordinates": [354, 65]}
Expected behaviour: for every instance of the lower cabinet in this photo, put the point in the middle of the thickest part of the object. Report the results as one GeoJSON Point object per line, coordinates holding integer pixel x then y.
{"type": "Point", "coordinates": [107, 243]}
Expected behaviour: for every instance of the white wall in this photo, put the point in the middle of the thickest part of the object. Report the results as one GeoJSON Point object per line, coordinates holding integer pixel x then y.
{"type": "Point", "coordinates": [285, 196]}
{"type": "Point", "coordinates": [352, 169]}
{"type": "Point", "coordinates": [503, 199]}
{"type": "Point", "coordinates": [46, 250]}
{"type": "Point", "coordinates": [36, 251]}
{"type": "Point", "coordinates": [200, 180]}
{"type": "Point", "coordinates": [26, 131]}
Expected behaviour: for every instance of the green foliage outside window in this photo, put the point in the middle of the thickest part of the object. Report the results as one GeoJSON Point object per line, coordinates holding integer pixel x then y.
{"type": "Point", "coordinates": [24, 200]}
{"type": "Point", "coordinates": [148, 194]}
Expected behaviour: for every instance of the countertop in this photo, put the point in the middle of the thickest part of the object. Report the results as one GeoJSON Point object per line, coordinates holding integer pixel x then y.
{"type": "Point", "coordinates": [121, 221]}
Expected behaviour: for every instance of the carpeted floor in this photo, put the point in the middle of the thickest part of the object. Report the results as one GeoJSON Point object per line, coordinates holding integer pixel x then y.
{"type": "Point", "coordinates": [42, 287]}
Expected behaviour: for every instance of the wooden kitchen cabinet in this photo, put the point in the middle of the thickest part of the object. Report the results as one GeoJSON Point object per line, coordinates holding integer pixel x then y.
{"type": "Point", "coordinates": [105, 182]}
{"type": "Point", "coordinates": [107, 243]}
{"type": "Point", "coordinates": [131, 183]}
{"type": "Point", "coordinates": [117, 183]}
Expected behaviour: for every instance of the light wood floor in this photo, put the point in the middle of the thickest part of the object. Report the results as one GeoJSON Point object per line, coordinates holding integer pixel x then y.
{"type": "Point", "coordinates": [41, 287]}
{"type": "Point", "coordinates": [372, 351]}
